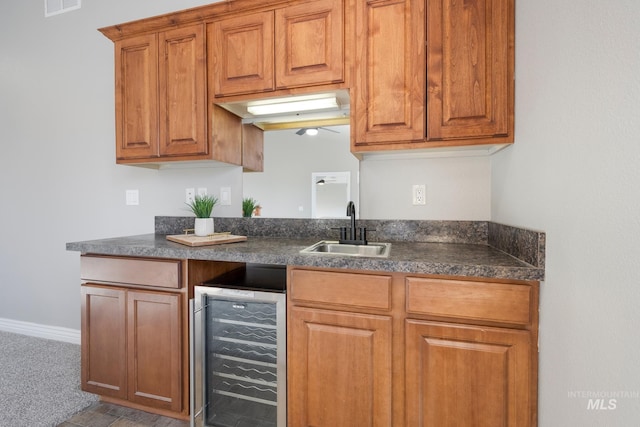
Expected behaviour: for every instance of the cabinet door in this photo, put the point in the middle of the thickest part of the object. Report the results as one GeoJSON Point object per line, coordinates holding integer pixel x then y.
{"type": "Point", "coordinates": [182, 77]}
{"type": "Point", "coordinates": [389, 96]}
{"type": "Point", "coordinates": [309, 44]}
{"type": "Point", "coordinates": [241, 54]}
{"type": "Point", "coordinates": [460, 375]}
{"type": "Point", "coordinates": [470, 69]}
{"type": "Point", "coordinates": [339, 369]}
{"type": "Point", "coordinates": [137, 97]}
{"type": "Point", "coordinates": [154, 349]}
{"type": "Point", "coordinates": [103, 341]}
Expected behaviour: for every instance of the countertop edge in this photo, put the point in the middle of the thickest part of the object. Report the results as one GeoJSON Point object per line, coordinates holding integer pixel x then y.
{"type": "Point", "coordinates": [288, 254]}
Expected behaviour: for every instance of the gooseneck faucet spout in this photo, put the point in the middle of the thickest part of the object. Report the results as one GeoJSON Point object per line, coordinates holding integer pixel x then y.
{"type": "Point", "coordinates": [351, 212]}
{"type": "Point", "coordinates": [352, 238]}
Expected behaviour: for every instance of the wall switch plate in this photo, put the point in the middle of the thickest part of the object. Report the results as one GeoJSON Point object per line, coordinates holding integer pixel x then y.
{"type": "Point", "coordinates": [132, 197]}
{"type": "Point", "coordinates": [419, 194]}
{"type": "Point", "coordinates": [202, 191]}
{"type": "Point", "coordinates": [189, 195]}
{"type": "Point", "coordinates": [225, 196]}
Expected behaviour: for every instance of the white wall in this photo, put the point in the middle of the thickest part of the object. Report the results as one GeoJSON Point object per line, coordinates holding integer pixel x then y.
{"type": "Point", "coordinates": [457, 188]}
{"type": "Point", "coordinates": [574, 173]}
{"type": "Point", "coordinates": [58, 177]}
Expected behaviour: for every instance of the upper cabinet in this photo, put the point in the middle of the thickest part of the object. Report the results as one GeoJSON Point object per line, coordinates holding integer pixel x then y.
{"type": "Point", "coordinates": [160, 102]}
{"type": "Point", "coordinates": [420, 74]}
{"type": "Point", "coordinates": [388, 98]}
{"type": "Point", "coordinates": [453, 85]}
{"type": "Point", "coordinates": [162, 109]}
{"type": "Point", "coordinates": [296, 46]}
{"type": "Point", "coordinates": [470, 69]}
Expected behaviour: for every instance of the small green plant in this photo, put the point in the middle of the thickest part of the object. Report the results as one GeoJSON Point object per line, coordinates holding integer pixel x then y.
{"type": "Point", "coordinates": [249, 204]}
{"type": "Point", "coordinates": [202, 206]}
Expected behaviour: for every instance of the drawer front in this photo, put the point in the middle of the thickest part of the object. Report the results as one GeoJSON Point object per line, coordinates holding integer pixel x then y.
{"type": "Point", "coordinates": [163, 273]}
{"type": "Point", "coordinates": [482, 301]}
{"type": "Point", "coordinates": [341, 289]}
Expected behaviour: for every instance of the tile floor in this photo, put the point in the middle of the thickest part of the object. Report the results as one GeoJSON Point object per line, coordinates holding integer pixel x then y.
{"type": "Point", "coordinates": [108, 415]}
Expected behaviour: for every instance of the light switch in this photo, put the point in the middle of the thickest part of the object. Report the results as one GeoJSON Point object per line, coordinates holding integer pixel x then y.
{"type": "Point", "coordinates": [225, 196]}
{"type": "Point", "coordinates": [132, 197]}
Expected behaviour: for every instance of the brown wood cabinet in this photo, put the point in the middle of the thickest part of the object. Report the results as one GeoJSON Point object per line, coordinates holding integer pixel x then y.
{"type": "Point", "coordinates": [388, 100]}
{"type": "Point", "coordinates": [470, 70]}
{"type": "Point", "coordinates": [444, 351]}
{"type": "Point", "coordinates": [162, 112]}
{"type": "Point", "coordinates": [453, 86]}
{"type": "Point", "coordinates": [339, 358]}
{"type": "Point", "coordinates": [471, 352]}
{"type": "Point", "coordinates": [133, 338]}
{"type": "Point", "coordinates": [160, 98]}
{"type": "Point", "coordinates": [131, 345]}
{"type": "Point", "coordinates": [467, 375]}
{"type": "Point", "coordinates": [295, 46]}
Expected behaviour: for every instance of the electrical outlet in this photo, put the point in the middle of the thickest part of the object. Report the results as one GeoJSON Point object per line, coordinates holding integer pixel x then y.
{"type": "Point", "coordinates": [189, 195]}
{"type": "Point", "coordinates": [419, 194]}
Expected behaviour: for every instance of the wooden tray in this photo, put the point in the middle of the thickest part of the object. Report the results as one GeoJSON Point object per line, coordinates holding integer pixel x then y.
{"type": "Point", "coordinates": [213, 239]}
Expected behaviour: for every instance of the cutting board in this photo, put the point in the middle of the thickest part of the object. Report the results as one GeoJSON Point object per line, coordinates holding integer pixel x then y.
{"type": "Point", "coordinates": [214, 239]}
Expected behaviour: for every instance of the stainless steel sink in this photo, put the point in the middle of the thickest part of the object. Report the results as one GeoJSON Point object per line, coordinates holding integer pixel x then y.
{"type": "Point", "coordinates": [332, 247]}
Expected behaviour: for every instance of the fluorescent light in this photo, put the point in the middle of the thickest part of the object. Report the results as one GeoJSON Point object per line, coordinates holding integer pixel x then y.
{"type": "Point", "coordinates": [289, 106]}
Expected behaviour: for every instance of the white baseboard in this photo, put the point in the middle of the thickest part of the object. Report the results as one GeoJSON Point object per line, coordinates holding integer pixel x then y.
{"type": "Point", "coordinates": [40, 331]}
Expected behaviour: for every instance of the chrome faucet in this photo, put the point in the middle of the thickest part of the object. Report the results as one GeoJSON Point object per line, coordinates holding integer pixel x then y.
{"type": "Point", "coordinates": [352, 239]}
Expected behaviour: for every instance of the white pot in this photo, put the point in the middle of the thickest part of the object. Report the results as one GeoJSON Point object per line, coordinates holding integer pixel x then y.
{"type": "Point", "coordinates": [204, 226]}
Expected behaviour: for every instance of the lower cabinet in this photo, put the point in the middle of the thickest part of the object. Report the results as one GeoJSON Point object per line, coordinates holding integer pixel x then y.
{"type": "Point", "coordinates": [339, 369]}
{"type": "Point", "coordinates": [131, 345]}
{"type": "Point", "coordinates": [460, 375]}
{"type": "Point", "coordinates": [390, 349]}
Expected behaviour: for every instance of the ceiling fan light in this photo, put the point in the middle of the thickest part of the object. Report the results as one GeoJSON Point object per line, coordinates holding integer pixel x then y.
{"type": "Point", "coordinates": [311, 131]}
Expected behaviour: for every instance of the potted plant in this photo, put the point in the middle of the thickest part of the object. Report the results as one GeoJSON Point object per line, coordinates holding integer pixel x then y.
{"type": "Point", "coordinates": [202, 206]}
{"type": "Point", "coordinates": [249, 204]}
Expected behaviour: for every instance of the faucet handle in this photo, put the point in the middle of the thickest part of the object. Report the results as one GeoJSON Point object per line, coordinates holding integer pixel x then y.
{"type": "Point", "coordinates": [363, 235]}
{"type": "Point", "coordinates": [343, 232]}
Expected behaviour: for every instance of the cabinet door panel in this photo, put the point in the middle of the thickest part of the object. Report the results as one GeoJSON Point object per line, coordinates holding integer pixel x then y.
{"type": "Point", "coordinates": [182, 86]}
{"type": "Point", "coordinates": [154, 361]}
{"type": "Point", "coordinates": [309, 44]}
{"type": "Point", "coordinates": [339, 369]}
{"type": "Point", "coordinates": [103, 341]}
{"type": "Point", "coordinates": [389, 103]}
{"type": "Point", "coordinates": [241, 54]}
{"type": "Point", "coordinates": [465, 375]}
{"type": "Point", "coordinates": [469, 68]}
{"type": "Point", "coordinates": [137, 97]}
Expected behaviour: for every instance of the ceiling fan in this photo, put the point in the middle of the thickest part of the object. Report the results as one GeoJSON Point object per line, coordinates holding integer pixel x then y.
{"type": "Point", "coordinates": [312, 131]}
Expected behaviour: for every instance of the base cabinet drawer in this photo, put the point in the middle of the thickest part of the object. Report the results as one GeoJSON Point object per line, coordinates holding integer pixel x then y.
{"type": "Point", "coordinates": [156, 272]}
{"type": "Point", "coordinates": [473, 301]}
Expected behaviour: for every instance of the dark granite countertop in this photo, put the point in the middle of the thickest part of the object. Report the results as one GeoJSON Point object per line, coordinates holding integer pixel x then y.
{"type": "Point", "coordinates": [441, 256]}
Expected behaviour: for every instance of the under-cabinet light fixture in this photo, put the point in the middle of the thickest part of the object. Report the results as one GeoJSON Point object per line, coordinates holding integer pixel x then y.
{"type": "Point", "coordinates": [262, 108]}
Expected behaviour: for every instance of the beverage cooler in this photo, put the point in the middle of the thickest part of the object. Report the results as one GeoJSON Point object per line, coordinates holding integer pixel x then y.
{"type": "Point", "coordinates": [238, 349]}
